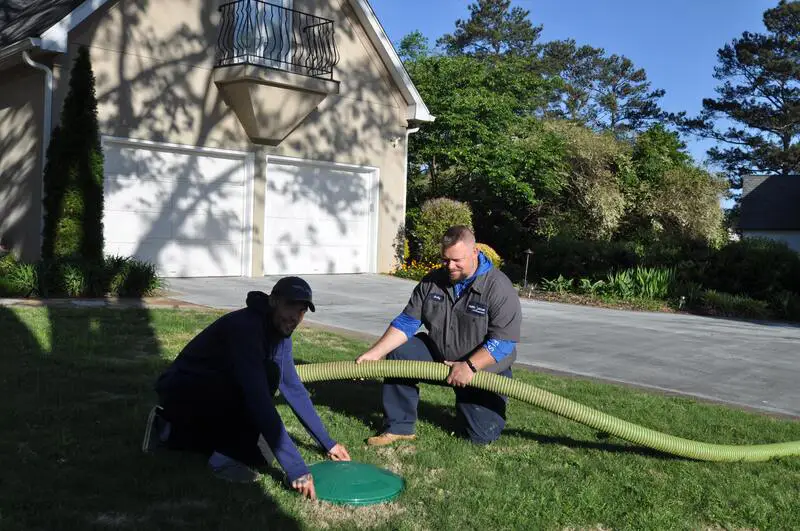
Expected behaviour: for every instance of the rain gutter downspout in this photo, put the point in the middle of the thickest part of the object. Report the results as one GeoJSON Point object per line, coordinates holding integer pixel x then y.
{"type": "Point", "coordinates": [48, 120]}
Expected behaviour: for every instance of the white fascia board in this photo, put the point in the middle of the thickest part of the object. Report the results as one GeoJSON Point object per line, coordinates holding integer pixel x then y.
{"type": "Point", "coordinates": [55, 38]}
{"type": "Point", "coordinates": [417, 110]}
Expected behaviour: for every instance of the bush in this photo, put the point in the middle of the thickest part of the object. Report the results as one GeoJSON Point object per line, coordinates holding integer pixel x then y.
{"type": "Point", "coordinates": [73, 281]}
{"type": "Point", "coordinates": [134, 278]}
{"type": "Point", "coordinates": [557, 285]}
{"type": "Point", "coordinates": [621, 284]}
{"type": "Point", "coordinates": [690, 294]}
{"type": "Point", "coordinates": [786, 305]}
{"type": "Point", "coordinates": [23, 280]}
{"type": "Point", "coordinates": [436, 217]}
{"type": "Point", "coordinates": [7, 263]}
{"type": "Point", "coordinates": [756, 267]}
{"type": "Point", "coordinates": [727, 305]}
{"type": "Point", "coordinates": [578, 259]}
{"type": "Point", "coordinates": [70, 277]}
{"type": "Point", "coordinates": [654, 282]}
{"type": "Point", "coordinates": [491, 254]}
{"type": "Point", "coordinates": [414, 270]}
{"type": "Point", "coordinates": [587, 287]}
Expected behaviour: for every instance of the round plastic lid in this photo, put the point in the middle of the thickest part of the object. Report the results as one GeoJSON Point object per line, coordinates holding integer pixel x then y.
{"type": "Point", "coordinates": [349, 483]}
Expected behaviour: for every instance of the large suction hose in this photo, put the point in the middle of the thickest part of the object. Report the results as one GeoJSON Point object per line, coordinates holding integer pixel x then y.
{"type": "Point", "coordinates": [437, 372]}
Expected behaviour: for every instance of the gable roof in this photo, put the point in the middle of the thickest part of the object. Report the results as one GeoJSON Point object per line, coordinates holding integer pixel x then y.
{"type": "Point", "coordinates": [22, 19]}
{"type": "Point", "coordinates": [417, 108]}
{"type": "Point", "coordinates": [53, 19]}
{"type": "Point", "coordinates": [770, 202]}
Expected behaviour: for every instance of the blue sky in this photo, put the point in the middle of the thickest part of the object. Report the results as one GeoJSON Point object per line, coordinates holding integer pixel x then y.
{"type": "Point", "coordinates": [675, 42]}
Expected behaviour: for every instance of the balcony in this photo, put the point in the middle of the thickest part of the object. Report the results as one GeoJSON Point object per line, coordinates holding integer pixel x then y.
{"type": "Point", "coordinates": [273, 66]}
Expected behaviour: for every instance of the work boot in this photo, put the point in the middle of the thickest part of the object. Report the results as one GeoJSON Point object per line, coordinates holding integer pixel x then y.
{"type": "Point", "coordinates": [155, 430]}
{"type": "Point", "coordinates": [387, 438]}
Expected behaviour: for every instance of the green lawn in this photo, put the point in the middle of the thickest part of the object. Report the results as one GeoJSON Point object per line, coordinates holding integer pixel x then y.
{"type": "Point", "coordinates": [77, 386]}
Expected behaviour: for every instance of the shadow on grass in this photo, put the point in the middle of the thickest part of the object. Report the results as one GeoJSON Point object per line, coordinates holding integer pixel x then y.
{"type": "Point", "coordinates": [78, 387]}
{"type": "Point", "coordinates": [362, 400]}
{"type": "Point", "coordinates": [590, 445]}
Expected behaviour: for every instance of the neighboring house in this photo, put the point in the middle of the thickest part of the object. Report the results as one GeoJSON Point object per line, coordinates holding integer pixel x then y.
{"type": "Point", "coordinates": [240, 138]}
{"type": "Point", "coordinates": [770, 208]}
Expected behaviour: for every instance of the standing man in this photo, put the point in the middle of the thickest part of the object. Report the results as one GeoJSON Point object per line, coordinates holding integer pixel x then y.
{"type": "Point", "coordinates": [217, 396]}
{"type": "Point", "coordinates": [472, 314]}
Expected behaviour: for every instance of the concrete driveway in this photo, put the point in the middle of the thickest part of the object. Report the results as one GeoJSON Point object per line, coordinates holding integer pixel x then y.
{"type": "Point", "coordinates": [747, 364]}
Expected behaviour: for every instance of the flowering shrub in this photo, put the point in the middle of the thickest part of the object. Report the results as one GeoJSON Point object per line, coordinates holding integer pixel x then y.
{"type": "Point", "coordinates": [415, 270]}
{"type": "Point", "coordinates": [491, 254]}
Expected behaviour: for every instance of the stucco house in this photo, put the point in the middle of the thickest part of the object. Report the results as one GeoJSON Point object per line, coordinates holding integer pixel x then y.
{"type": "Point", "coordinates": [241, 138]}
{"type": "Point", "coordinates": [770, 208]}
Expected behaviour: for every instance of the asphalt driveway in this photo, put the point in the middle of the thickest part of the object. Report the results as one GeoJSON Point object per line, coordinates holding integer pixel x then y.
{"type": "Point", "coordinates": [755, 365]}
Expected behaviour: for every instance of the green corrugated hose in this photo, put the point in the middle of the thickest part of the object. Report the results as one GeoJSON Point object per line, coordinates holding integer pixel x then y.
{"type": "Point", "coordinates": [437, 372]}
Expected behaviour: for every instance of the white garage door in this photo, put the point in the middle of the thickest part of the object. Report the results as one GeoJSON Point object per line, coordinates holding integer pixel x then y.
{"type": "Point", "coordinates": [182, 210]}
{"type": "Point", "coordinates": [319, 218]}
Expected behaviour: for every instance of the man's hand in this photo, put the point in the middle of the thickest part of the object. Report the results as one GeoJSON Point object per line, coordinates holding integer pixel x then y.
{"type": "Point", "coordinates": [338, 453]}
{"type": "Point", "coordinates": [305, 486]}
{"type": "Point", "coordinates": [460, 374]}
{"type": "Point", "coordinates": [369, 356]}
{"type": "Point", "coordinates": [390, 340]}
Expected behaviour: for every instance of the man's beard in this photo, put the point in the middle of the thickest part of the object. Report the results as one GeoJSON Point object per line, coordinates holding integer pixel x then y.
{"type": "Point", "coordinates": [282, 332]}
{"type": "Point", "coordinates": [457, 279]}
{"type": "Point", "coordinates": [278, 328]}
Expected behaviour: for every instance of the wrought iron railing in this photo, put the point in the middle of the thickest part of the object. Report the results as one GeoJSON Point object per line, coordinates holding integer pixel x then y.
{"type": "Point", "coordinates": [259, 33]}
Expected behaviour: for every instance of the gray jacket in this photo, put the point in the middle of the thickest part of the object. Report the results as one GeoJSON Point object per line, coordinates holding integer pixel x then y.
{"type": "Point", "coordinates": [488, 309]}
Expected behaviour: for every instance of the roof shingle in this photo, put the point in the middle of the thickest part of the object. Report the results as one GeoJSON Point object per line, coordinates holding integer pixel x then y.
{"type": "Point", "coordinates": [21, 19]}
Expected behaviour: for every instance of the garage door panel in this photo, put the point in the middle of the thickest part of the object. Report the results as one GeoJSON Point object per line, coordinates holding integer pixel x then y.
{"type": "Point", "coordinates": [122, 160]}
{"type": "Point", "coordinates": [136, 226]}
{"type": "Point", "coordinates": [332, 193]}
{"type": "Point", "coordinates": [226, 197]}
{"type": "Point", "coordinates": [211, 225]}
{"type": "Point", "coordinates": [138, 194]}
{"type": "Point", "coordinates": [167, 166]}
{"type": "Point", "coordinates": [212, 172]}
{"type": "Point", "coordinates": [182, 211]}
{"type": "Point", "coordinates": [311, 232]}
{"type": "Point", "coordinates": [200, 258]}
{"type": "Point", "coordinates": [284, 208]}
{"type": "Point", "coordinates": [312, 259]}
{"type": "Point", "coordinates": [213, 216]}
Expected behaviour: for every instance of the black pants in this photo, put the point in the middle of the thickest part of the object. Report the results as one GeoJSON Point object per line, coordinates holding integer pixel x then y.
{"type": "Point", "coordinates": [481, 414]}
{"type": "Point", "coordinates": [207, 425]}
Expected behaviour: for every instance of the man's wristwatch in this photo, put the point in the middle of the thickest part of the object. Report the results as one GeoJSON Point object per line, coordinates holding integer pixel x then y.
{"type": "Point", "coordinates": [470, 365]}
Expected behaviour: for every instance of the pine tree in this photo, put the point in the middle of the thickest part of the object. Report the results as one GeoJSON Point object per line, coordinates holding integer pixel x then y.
{"type": "Point", "coordinates": [73, 179]}
{"type": "Point", "coordinates": [493, 29]}
{"type": "Point", "coordinates": [758, 103]}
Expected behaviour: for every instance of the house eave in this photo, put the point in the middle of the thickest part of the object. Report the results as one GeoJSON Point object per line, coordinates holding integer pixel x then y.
{"type": "Point", "coordinates": [55, 38]}
{"type": "Point", "coordinates": [417, 110]}
{"type": "Point", "coordinates": [12, 54]}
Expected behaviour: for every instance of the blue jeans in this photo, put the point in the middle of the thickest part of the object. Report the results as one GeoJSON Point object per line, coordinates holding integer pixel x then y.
{"type": "Point", "coordinates": [480, 414]}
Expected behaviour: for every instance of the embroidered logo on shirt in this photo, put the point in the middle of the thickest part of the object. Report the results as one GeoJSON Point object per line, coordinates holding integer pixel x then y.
{"type": "Point", "coordinates": [476, 308]}
{"type": "Point", "coordinates": [438, 297]}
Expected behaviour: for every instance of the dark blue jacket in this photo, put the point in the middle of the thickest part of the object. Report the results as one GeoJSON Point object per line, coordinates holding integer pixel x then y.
{"type": "Point", "coordinates": [240, 354]}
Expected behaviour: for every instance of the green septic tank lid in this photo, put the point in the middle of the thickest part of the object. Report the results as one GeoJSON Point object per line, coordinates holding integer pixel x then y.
{"type": "Point", "coordinates": [346, 482]}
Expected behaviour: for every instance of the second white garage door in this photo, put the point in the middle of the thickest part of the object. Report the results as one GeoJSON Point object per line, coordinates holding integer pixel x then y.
{"type": "Point", "coordinates": [319, 218]}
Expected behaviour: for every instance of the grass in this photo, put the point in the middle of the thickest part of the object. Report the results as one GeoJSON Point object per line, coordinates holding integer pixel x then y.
{"type": "Point", "coordinates": [78, 385]}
